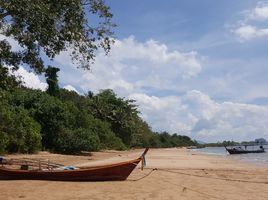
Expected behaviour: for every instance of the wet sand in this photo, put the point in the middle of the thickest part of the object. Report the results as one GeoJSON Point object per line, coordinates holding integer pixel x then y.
{"type": "Point", "coordinates": [181, 174]}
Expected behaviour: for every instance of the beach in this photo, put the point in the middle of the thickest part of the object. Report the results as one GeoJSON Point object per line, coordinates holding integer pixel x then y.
{"type": "Point", "coordinates": [170, 174]}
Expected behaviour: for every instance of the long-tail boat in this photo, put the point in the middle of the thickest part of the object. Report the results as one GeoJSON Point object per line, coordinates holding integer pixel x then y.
{"type": "Point", "coordinates": [245, 148]}
{"type": "Point", "coordinates": [111, 172]}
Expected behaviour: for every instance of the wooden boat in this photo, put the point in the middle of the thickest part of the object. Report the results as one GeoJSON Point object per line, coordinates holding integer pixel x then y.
{"type": "Point", "coordinates": [240, 150]}
{"type": "Point", "coordinates": [112, 172]}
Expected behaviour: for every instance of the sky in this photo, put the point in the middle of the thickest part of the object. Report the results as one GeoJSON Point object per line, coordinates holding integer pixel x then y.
{"type": "Point", "coordinates": [197, 68]}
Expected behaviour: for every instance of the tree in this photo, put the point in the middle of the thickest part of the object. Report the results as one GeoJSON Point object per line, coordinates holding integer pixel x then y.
{"type": "Point", "coordinates": [53, 115]}
{"type": "Point", "coordinates": [120, 113]}
{"type": "Point", "coordinates": [7, 80]}
{"type": "Point", "coordinates": [18, 131]}
{"type": "Point", "coordinates": [53, 26]}
{"type": "Point", "coordinates": [75, 141]}
{"type": "Point", "coordinates": [165, 139]}
{"type": "Point", "coordinates": [52, 81]}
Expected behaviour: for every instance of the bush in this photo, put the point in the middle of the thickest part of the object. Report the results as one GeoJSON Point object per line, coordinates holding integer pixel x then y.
{"type": "Point", "coordinates": [74, 141]}
{"type": "Point", "coordinates": [107, 137]}
{"type": "Point", "coordinates": [53, 114]}
{"type": "Point", "coordinates": [19, 132]}
{"type": "Point", "coordinates": [3, 142]}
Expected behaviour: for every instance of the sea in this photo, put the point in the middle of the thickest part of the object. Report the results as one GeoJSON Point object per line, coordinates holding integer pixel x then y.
{"type": "Point", "coordinates": [260, 159]}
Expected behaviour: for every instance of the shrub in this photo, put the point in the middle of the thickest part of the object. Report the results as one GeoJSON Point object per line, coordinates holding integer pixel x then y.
{"type": "Point", "coordinates": [74, 141]}
{"type": "Point", "coordinates": [107, 137]}
{"type": "Point", "coordinates": [19, 132]}
{"type": "Point", "coordinates": [3, 142]}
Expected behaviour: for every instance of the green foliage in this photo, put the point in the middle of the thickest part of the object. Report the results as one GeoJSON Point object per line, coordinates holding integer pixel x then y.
{"type": "Point", "coordinates": [120, 113]}
{"type": "Point", "coordinates": [166, 140]}
{"type": "Point", "coordinates": [73, 141]}
{"type": "Point", "coordinates": [107, 137]}
{"type": "Point", "coordinates": [3, 141]}
{"type": "Point", "coordinates": [8, 58]}
{"type": "Point", "coordinates": [7, 81]}
{"type": "Point", "coordinates": [154, 141]}
{"type": "Point", "coordinates": [50, 27]}
{"type": "Point", "coordinates": [19, 132]}
{"type": "Point", "coordinates": [71, 123]}
{"type": "Point", "coordinates": [141, 133]}
{"type": "Point", "coordinates": [53, 115]}
{"type": "Point", "coordinates": [181, 140]}
{"type": "Point", "coordinates": [52, 81]}
{"type": "Point", "coordinates": [80, 101]}
{"type": "Point", "coordinates": [54, 26]}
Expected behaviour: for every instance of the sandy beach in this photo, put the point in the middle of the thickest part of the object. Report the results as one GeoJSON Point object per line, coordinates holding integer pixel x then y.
{"type": "Point", "coordinates": [181, 174]}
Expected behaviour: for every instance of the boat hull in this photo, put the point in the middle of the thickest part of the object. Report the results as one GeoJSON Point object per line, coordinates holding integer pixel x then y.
{"type": "Point", "coordinates": [235, 151]}
{"type": "Point", "coordinates": [114, 172]}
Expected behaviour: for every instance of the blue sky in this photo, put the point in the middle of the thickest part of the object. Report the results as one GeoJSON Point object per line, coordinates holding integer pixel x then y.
{"type": "Point", "coordinates": [195, 67]}
{"type": "Point", "coordinates": [203, 26]}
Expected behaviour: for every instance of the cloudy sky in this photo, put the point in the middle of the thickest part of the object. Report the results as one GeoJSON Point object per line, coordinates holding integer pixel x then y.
{"type": "Point", "coordinates": [197, 68]}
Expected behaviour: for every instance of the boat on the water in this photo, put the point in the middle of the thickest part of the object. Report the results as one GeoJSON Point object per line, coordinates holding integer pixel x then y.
{"type": "Point", "coordinates": [246, 148]}
{"type": "Point", "coordinates": [111, 172]}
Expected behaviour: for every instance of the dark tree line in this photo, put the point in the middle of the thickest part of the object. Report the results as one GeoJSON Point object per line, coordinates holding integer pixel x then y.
{"type": "Point", "coordinates": [31, 120]}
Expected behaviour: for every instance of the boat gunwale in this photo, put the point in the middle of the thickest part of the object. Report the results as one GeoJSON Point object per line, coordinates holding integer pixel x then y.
{"type": "Point", "coordinates": [89, 168]}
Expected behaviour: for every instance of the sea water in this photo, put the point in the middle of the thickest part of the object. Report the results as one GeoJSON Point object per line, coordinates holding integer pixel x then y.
{"type": "Point", "coordinates": [260, 159]}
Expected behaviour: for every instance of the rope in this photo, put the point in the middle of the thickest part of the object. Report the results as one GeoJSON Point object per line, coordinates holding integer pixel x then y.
{"type": "Point", "coordinates": [203, 169]}
{"type": "Point", "coordinates": [184, 188]}
{"type": "Point", "coordinates": [225, 179]}
{"type": "Point", "coordinates": [146, 175]}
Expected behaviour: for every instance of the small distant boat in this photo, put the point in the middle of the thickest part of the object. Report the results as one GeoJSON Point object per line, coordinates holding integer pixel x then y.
{"type": "Point", "coordinates": [191, 147]}
{"type": "Point", "coordinates": [112, 172]}
{"type": "Point", "coordinates": [243, 149]}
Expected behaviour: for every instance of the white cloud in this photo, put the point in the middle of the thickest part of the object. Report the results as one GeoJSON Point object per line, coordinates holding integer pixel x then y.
{"type": "Point", "coordinates": [249, 27]}
{"type": "Point", "coordinates": [165, 114]}
{"type": "Point", "coordinates": [14, 44]}
{"type": "Point", "coordinates": [133, 66]}
{"type": "Point", "coordinates": [248, 32]}
{"type": "Point", "coordinates": [30, 79]}
{"type": "Point", "coordinates": [70, 88]}
{"type": "Point", "coordinates": [157, 56]}
{"type": "Point", "coordinates": [260, 12]}
{"type": "Point", "coordinates": [197, 115]}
